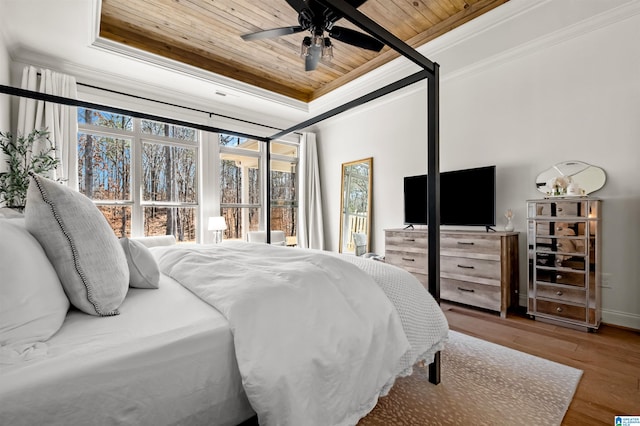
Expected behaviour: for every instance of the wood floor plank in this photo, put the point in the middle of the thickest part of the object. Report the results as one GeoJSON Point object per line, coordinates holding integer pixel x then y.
{"type": "Point", "coordinates": [609, 358]}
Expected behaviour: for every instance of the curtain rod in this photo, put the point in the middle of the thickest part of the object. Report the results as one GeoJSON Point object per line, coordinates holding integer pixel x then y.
{"type": "Point", "coordinates": [9, 90]}
{"type": "Point", "coordinates": [178, 106]}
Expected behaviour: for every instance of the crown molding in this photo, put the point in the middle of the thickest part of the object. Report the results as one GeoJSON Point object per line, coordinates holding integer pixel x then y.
{"type": "Point", "coordinates": [226, 84]}
{"type": "Point", "coordinates": [495, 20]}
{"type": "Point", "coordinates": [597, 22]}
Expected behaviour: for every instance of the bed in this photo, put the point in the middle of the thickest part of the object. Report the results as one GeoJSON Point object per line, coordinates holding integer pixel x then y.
{"type": "Point", "coordinates": [194, 334]}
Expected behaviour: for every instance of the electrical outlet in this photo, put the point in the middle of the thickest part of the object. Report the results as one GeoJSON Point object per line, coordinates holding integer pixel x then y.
{"type": "Point", "coordinates": [606, 280]}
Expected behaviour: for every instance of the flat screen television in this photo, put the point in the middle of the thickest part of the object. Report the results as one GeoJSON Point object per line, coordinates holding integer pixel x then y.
{"type": "Point", "coordinates": [467, 197]}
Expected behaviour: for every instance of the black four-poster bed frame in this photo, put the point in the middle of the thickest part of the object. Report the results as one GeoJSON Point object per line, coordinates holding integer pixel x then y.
{"type": "Point", "coordinates": [430, 72]}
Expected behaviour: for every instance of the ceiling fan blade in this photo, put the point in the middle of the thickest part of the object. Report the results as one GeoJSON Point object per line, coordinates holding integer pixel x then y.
{"type": "Point", "coordinates": [297, 5]}
{"type": "Point", "coordinates": [312, 59]}
{"type": "Point", "coordinates": [335, 15]}
{"type": "Point", "coordinates": [356, 38]}
{"type": "Point", "coordinates": [275, 32]}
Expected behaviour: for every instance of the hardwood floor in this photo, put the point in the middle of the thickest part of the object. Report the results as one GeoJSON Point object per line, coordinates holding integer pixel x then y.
{"type": "Point", "coordinates": [610, 359]}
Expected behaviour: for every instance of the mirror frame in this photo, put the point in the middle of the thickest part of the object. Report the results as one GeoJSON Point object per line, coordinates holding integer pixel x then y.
{"type": "Point", "coordinates": [369, 162]}
{"type": "Point", "coordinates": [587, 177]}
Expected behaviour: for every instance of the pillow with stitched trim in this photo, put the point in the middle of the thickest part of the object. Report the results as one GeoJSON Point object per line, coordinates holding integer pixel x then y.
{"type": "Point", "coordinates": [34, 305]}
{"type": "Point", "coordinates": [80, 245]}
{"type": "Point", "coordinates": [143, 268]}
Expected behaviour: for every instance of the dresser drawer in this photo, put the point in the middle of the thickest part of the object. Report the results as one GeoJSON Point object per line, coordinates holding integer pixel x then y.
{"type": "Point", "coordinates": [469, 293]}
{"type": "Point", "coordinates": [406, 240]}
{"type": "Point", "coordinates": [553, 276]}
{"type": "Point", "coordinates": [561, 294]}
{"type": "Point", "coordinates": [462, 267]}
{"type": "Point", "coordinates": [563, 310]}
{"type": "Point", "coordinates": [411, 261]}
{"type": "Point", "coordinates": [480, 246]}
{"type": "Point", "coordinates": [563, 208]}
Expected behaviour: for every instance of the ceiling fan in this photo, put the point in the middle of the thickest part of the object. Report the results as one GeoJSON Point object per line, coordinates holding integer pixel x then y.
{"type": "Point", "coordinates": [318, 19]}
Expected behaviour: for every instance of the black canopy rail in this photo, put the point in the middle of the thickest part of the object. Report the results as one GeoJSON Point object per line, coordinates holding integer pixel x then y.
{"type": "Point", "coordinates": [430, 72]}
{"type": "Point", "coordinates": [24, 93]}
{"type": "Point", "coordinates": [211, 114]}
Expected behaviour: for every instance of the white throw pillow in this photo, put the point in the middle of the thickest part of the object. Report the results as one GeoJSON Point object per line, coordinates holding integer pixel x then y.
{"type": "Point", "coordinates": [143, 268]}
{"type": "Point", "coordinates": [33, 304]}
{"type": "Point", "coordinates": [80, 245]}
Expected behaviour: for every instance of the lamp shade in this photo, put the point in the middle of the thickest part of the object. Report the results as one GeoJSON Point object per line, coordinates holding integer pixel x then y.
{"type": "Point", "coordinates": [217, 223]}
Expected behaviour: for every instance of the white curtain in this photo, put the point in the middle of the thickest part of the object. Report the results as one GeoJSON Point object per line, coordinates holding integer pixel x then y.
{"type": "Point", "coordinates": [59, 120]}
{"type": "Point", "coordinates": [310, 224]}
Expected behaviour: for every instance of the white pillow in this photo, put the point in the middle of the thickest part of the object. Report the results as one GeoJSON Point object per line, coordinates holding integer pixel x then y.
{"type": "Point", "coordinates": [156, 240]}
{"type": "Point", "coordinates": [80, 245]}
{"type": "Point", "coordinates": [33, 303]}
{"type": "Point", "coordinates": [143, 268]}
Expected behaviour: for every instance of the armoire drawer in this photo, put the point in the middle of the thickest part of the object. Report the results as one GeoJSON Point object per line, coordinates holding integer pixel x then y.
{"type": "Point", "coordinates": [563, 310]}
{"type": "Point", "coordinates": [563, 208]}
{"type": "Point", "coordinates": [554, 276]}
{"type": "Point", "coordinates": [552, 260]}
{"type": "Point", "coordinates": [561, 294]}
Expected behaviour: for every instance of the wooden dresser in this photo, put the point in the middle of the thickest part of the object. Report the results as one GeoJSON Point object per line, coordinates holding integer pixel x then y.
{"type": "Point", "coordinates": [476, 268]}
{"type": "Point", "coordinates": [564, 273]}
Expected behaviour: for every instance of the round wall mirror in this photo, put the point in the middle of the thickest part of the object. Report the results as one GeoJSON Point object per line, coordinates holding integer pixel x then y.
{"type": "Point", "coordinates": [576, 177]}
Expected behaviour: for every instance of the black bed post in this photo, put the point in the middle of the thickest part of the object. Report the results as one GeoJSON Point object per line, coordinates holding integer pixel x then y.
{"type": "Point", "coordinates": [433, 188]}
{"type": "Point", "coordinates": [433, 115]}
{"type": "Point", "coordinates": [267, 190]}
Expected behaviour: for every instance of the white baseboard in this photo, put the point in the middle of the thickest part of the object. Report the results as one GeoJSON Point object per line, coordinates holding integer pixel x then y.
{"type": "Point", "coordinates": [623, 319]}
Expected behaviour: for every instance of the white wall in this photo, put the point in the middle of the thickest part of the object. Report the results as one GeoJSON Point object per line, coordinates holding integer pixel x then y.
{"type": "Point", "coordinates": [381, 132]}
{"type": "Point", "coordinates": [5, 100]}
{"type": "Point", "coordinates": [576, 98]}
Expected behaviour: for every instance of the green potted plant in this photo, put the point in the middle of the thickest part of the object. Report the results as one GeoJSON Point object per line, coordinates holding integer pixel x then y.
{"type": "Point", "coordinates": [21, 160]}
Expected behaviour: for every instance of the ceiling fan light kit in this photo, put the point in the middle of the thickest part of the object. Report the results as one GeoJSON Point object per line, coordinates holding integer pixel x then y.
{"type": "Point", "coordinates": [318, 20]}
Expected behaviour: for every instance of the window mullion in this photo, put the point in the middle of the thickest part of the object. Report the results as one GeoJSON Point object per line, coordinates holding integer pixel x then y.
{"type": "Point", "coordinates": [137, 213]}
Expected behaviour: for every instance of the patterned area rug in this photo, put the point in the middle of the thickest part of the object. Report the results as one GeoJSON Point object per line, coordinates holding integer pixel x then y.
{"type": "Point", "coordinates": [482, 384]}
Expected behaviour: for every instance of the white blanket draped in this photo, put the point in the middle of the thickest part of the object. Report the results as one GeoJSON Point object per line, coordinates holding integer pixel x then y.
{"type": "Point", "coordinates": [316, 339]}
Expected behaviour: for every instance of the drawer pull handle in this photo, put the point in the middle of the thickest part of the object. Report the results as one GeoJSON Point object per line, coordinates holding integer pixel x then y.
{"type": "Point", "coordinates": [466, 267]}
{"type": "Point", "coordinates": [559, 209]}
{"type": "Point", "coordinates": [467, 290]}
{"type": "Point", "coordinates": [559, 309]}
{"type": "Point", "coordinates": [411, 240]}
{"type": "Point", "coordinates": [558, 277]}
{"type": "Point", "coordinates": [559, 228]}
{"type": "Point", "coordinates": [559, 244]}
{"type": "Point", "coordinates": [465, 243]}
{"type": "Point", "coordinates": [559, 261]}
{"type": "Point", "coordinates": [558, 293]}
{"type": "Point", "coordinates": [408, 259]}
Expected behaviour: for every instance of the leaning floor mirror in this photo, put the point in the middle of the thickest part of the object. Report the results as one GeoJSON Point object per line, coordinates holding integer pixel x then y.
{"type": "Point", "coordinates": [355, 206]}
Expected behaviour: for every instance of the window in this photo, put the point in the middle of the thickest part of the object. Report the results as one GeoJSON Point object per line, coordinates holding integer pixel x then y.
{"type": "Point", "coordinates": [284, 194]}
{"type": "Point", "coordinates": [117, 153]}
{"type": "Point", "coordinates": [241, 197]}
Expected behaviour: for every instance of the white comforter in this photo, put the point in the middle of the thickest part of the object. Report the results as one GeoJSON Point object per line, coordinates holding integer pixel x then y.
{"type": "Point", "coordinates": [316, 339]}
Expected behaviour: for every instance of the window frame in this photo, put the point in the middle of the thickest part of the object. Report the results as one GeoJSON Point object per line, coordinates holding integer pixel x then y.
{"type": "Point", "coordinates": [137, 139]}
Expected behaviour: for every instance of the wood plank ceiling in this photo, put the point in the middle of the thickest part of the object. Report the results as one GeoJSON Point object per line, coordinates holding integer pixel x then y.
{"type": "Point", "coordinates": [206, 34]}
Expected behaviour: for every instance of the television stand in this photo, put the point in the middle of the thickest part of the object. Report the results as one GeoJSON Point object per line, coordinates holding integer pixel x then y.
{"type": "Point", "coordinates": [476, 268]}
{"type": "Point", "coordinates": [409, 226]}
{"type": "Point", "coordinates": [490, 229]}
